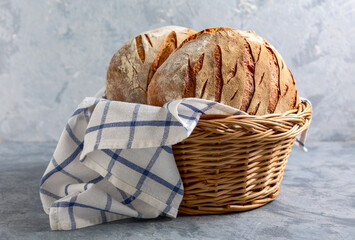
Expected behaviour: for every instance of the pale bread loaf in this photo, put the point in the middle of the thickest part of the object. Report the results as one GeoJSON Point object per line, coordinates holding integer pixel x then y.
{"type": "Point", "coordinates": [135, 63]}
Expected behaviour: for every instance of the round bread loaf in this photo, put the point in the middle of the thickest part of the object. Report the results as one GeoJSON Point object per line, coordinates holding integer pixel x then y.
{"type": "Point", "coordinates": [236, 68]}
{"type": "Point", "coordinates": [134, 64]}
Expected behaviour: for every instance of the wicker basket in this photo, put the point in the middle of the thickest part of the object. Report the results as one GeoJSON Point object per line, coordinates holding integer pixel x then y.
{"type": "Point", "coordinates": [236, 163]}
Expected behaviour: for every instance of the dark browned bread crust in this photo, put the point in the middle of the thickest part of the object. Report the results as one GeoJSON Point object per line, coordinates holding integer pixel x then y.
{"type": "Point", "coordinates": [233, 67]}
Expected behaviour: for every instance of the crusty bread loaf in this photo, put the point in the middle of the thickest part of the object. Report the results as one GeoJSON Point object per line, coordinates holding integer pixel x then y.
{"type": "Point", "coordinates": [233, 67]}
{"type": "Point", "coordinates": [134, 64]}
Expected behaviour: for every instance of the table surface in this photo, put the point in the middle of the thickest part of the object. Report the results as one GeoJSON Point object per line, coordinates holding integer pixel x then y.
{"type": "Point", "coordinates": [317, 201]}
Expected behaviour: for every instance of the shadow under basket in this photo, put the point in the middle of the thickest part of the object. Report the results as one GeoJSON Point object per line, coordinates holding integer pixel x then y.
{"type": "Point", "coordinates": [236, 163]}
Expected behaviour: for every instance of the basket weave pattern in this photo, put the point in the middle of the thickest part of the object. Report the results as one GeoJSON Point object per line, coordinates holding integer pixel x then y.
{"type": "Point", "coordinates": [236, 163]}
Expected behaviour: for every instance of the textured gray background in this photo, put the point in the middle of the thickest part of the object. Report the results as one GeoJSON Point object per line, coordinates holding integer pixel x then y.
{"type": "Point", "coordinates": [54, 53]}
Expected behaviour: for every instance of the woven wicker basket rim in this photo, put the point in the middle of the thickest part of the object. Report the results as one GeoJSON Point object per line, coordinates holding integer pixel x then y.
{"type": "Point", "coordinates": [276, 126]}
{"type": "Point", "coordinates": [302, 108]}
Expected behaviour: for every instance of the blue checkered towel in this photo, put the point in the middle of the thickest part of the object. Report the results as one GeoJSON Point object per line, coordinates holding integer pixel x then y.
{"type": "Point", "coordinates": [114, 160]}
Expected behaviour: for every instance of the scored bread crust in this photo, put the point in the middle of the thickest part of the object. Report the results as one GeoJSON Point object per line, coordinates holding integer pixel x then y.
{"type": "Point", "coordinates": [135, 63]}
{"type": "Point", "coordinates": [234, 67]}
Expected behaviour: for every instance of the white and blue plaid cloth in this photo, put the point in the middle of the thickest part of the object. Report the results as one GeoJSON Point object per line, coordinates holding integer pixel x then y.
{"type": "Point", "coordinates": [114, 160]}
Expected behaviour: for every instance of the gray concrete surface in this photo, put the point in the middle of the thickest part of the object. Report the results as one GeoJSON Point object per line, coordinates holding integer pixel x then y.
{"type": "Point", "coordinates": [317, 201]}
{"type": "Point", "coordinates": [54, 53]}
